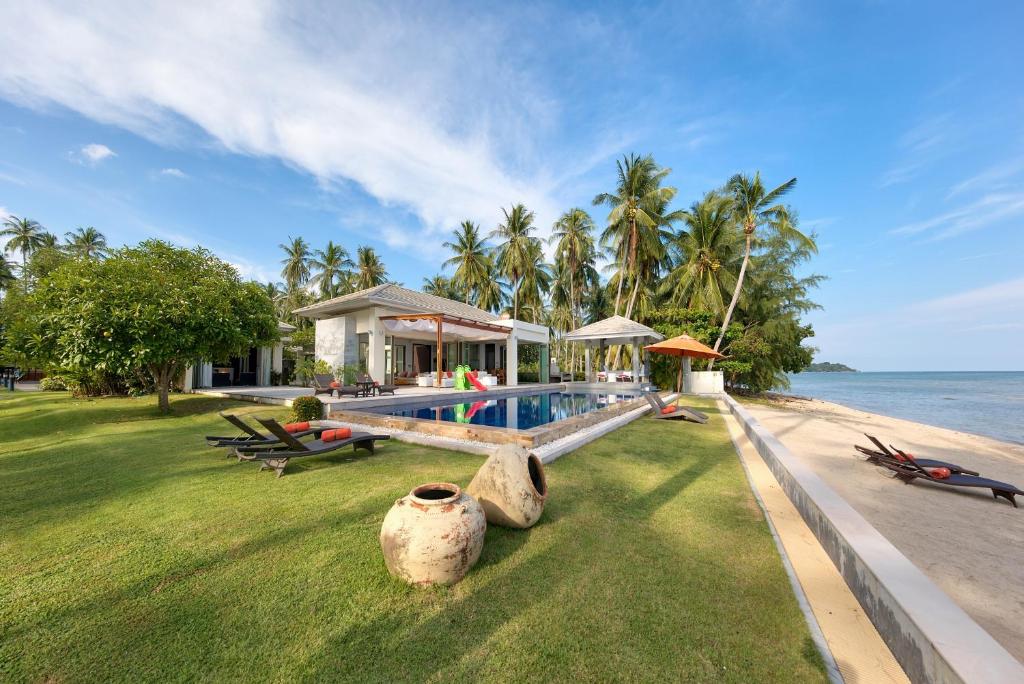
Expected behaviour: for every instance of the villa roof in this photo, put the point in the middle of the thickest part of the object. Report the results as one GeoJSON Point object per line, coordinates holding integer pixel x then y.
{"type": "Point", "coordinates": [397, 297]}
{"type": "Point", "coordinates": [285, 327]}
{"type": "Point", "coordinates": [614, 330]}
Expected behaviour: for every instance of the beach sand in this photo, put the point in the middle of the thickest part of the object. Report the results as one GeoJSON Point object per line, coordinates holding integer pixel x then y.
{"type": "Point", "coordinates": [969, 544]}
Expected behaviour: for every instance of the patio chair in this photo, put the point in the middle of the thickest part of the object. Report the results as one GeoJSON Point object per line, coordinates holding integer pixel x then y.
{"type": "Point", "coordinates": [379, 388]}
{"type": "Point", "coordinates": [884, 454]}
{"type": "Point", "coordinates": [322, 384]}
{"type": "Point", "coordinates": [251, 437]}
{"type": "Point", "coordinates": [680, 412]}
{"type": "Point", "coordinates": [276, 457]}
{"type": "Point", "coordinates": [909, 470]}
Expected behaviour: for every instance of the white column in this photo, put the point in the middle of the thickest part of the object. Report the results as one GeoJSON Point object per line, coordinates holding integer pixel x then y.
{"type": "Point", "coordinates": [587, 373]}
{"type": "Point", "coordinates": [207, 374]}
{"type": "Point", "coordinates": [635, 348]}
{"type": "Point", "coordinates": [512, 360]}
{"type": "Point", "coordinates": [264, 360]}
{"type": "Point", "coordinates": [277, 363]}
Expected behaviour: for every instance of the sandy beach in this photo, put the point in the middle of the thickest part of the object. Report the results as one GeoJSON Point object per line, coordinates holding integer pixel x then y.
{"type": "Point", "coordinates": [969, 544]}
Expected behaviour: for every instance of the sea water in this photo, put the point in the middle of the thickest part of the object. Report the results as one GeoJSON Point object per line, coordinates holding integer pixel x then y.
{"type": "Point", "coordinates": [985, 403]}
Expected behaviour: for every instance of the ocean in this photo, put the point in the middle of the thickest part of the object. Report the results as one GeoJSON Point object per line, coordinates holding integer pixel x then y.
{"type": "Point", "coordinates": [985, 403]}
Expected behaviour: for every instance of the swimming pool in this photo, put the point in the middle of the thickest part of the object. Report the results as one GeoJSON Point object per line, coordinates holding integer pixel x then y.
{"type": "Point", "coordinates": [517, 412]}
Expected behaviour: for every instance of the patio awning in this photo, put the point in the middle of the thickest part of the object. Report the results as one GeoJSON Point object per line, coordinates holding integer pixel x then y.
{"type": "Point", "coordinates": [425, 327]}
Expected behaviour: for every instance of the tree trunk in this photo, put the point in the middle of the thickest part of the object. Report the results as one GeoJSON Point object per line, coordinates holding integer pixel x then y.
{"type": "Point", "coordinates": [735, 298]}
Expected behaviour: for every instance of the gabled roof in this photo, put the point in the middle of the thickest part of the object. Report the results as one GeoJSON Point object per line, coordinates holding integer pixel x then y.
{"type": "Point", "coordinates": [285, 327]}
{"type": "Point", "coordinates": [614, 330]}
{"type": "Point", "coordinates": [397, 297]}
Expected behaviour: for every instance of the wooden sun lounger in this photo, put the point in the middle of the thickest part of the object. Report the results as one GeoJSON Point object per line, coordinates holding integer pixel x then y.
{"type": "Point", "coordinates": [681, 412]}
{"type": "Point", "coordinates": [251, 437]}
{"type": "Point", "coordinates": [884, 454]}
{"type": "Point", "coordinates": [322, 384]}
{"type": "Point", "coordinates": [276, 458]}
{"type": "Point", "coordinates": [379, 388]}
{"type": "Point", "coordinates": [910, 470]}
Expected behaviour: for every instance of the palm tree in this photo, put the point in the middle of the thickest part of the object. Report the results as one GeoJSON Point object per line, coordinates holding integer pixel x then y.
{"type": "Point", "coordinates": [470, 260]}
{"type": "Point", "coordinates": [439, 286]}
{"type": "Point", "coordinates": [25, 236]}
{"type": "Point", "coordinates": [492, 294]}
{"type": "Point", "coordinates": [756, 207]}
{"type": "Point", "coordinates": [535, 280]}
{"type": "Point", "coordinates": [6, 273]}
{"type": "Point", "coordinates": [48, 240]}
{"type": "Point", "coordinates": [86, 242]}
{"type": "Point", "coordinates": [573, 237]}
{"type": "Point", "coordinates": [296, 262]}
{"type": "Point", "coordinates": [702, 256]}
{"type": "Point", "coordinates": [330, 264]}
{"type": "Point", "coordinates": [637, 195]}
{"type": "Point", "coordinates": [512, 256]}
{"type": "Point", "coordinates": [370, 271]}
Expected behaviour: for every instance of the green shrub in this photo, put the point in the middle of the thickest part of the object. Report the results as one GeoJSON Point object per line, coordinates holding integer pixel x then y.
{"type": "Point", "coordinates": [307, 408]}
{"type": "Point", "coordinates": [53, 383]}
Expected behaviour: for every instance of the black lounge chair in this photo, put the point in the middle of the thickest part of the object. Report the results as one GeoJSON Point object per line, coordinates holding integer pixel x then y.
{"type": "Point", "coordinates": [885, 455]}
{"type": "Point", "coordinates": [276, 457]}
{"type": "Point", "coordinates": [693, 415]}
{"type": "Point", "coordinates": [379, 388]}
{"type": "Point", "coordinates": [322, 384]}
{"type": "Point", "coordinates": [910, 470]}
{"type": "Point", "coordinates": [251, 437]}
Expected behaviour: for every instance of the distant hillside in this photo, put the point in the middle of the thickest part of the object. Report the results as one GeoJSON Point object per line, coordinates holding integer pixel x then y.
{"type": "Point", "coordinates": [829, 367]}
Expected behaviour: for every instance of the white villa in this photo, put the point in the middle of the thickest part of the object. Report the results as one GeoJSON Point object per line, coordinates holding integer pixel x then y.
{"type": "Point", "coordinates": [250, 369]}
{"type": "Point", "coordinates": [400, 336]}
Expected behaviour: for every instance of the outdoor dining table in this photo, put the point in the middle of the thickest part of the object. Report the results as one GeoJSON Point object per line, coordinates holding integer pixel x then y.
{"type": "Point", "coordinates": [366, 387]}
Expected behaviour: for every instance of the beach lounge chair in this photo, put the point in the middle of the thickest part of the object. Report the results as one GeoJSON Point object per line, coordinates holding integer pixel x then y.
{"type": "Point", "coordinates": [252, 437]}
{"type": "Point", "coordinates": [661, 410]}
{"type": "Point", "coordinates": [276, 457]}
{"type": "Point", "coordinates": [880, 454]}
{"type": "Point", "coordinates": [322, 384]}
{"type": "Point", "coordinates": [381, 389]}
{"type": "Point", "coordinates": [910, 470]}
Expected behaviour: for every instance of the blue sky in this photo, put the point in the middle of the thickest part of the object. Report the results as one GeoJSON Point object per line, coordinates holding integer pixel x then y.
{"type": "Point", "coordinates": [236, 127]}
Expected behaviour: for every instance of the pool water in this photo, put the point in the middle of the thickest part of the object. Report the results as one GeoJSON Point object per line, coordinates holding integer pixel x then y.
{"type": "Point", "coordinates": [520, 412]}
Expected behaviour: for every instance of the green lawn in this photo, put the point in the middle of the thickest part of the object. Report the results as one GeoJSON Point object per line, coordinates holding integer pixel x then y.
{"type": "Point", "coordinates": [133, 552]}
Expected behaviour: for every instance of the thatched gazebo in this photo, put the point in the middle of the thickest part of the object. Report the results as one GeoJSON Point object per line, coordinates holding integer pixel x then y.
{"type": "Point", "coordinates": [610, 331]}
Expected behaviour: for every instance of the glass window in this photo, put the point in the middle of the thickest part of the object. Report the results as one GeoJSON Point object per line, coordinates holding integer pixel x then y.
{"type": "Point", "coordinates": [364, 351]}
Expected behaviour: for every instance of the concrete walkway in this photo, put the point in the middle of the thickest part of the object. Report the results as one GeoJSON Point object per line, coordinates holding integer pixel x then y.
{"type": "Point", "coordinates": [858, 649]}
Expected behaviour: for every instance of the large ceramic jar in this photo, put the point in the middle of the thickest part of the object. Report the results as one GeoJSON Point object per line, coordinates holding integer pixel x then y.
{"type": "Point", "coordinates": [433, 535]}
{"type": "Point", "coordinates": [511, 487]}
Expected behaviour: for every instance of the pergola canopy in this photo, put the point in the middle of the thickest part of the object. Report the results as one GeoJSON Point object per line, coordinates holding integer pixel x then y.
{"type": "Point", "coordinates": [425, 327]}
{"type": "Point", "coordinates": [614, 330]}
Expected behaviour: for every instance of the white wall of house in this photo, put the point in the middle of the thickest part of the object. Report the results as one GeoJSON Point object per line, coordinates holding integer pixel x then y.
{"type": "Point", "coordinates": [335, 340]}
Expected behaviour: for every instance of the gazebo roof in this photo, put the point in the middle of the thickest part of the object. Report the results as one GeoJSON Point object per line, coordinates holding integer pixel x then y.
{"type": "Point", "coordinates": [614, 330]}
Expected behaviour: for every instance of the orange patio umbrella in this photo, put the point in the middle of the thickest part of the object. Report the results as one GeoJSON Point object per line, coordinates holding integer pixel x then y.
{"type": "Point", "coordinates": [681, 346]}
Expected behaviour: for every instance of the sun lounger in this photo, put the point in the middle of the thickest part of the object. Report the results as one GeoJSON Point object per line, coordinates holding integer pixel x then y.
{"type": "Point", "coordinates": [884, 454]}
{"type": "Point", "coordinates": [380, 389]}
{"type": "Point", "coordinates": [680, 412]}
{"type": "Point", "coordinates": [276, 457]}
{"type": "Point", "coordinates": [322, 384]}
{"type": "Point", "coordinates": [910, 470]}
{"type": "Point", "coordinates": [251, 437]}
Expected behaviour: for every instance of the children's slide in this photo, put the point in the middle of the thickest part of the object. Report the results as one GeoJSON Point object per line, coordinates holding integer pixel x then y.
{"type": "Point", "coordinates": [474, 408]}
{"type": "Point", "coordinates": [471, 376]}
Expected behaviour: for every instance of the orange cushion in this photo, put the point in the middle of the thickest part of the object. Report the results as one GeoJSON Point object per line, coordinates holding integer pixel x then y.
{"type": "Point", "coordinates": [335, 384]}
{"type": "Point", "coordinates": [336, 434]}
{"type": "Point", "coordinates": [667, 410]}
{"type": "Point", "coordinates": [939, 473]}
{"type": "Point", "coordinates": [296, 427]}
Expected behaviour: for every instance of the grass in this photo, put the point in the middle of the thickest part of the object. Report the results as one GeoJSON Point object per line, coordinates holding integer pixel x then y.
{"type": "Point", "coordinates": [133, 552]}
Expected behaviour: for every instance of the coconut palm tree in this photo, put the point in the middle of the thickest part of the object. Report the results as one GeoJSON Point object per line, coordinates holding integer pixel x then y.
{"type": "Point", "coordinates": [296, 262]}
{"type": "Point", "coordinates": [6, 273]}
{"type": "Point", "coordinates": [330, 265]}
{"type": "Point", "coordinates": [756, 207]}
{"type": "Point", "coordinates": [513, 253]}
{"type": "Point", "coordinates": [370, 271]}
{"type": "Point", "coordinates": [573, 238]}
{"type": "Point", "coordinates": [535, 280]}
{"type": "Point", "coordinates": [48, 240]}
{"type": "Point", "coordinates": [86, 242]}
{"type": "Point", "coordinates": [470, 260]}
{"type": "Point", "coordinates": [703, 256]}
{"type": "Point", "coordinates": [440, 286]}
{"type": "Point", "coordinates": [492, 293]}
{"type": "Point", "coordinates": [25, 236]}
{"type": "Point", "coordinates": [637, 195]}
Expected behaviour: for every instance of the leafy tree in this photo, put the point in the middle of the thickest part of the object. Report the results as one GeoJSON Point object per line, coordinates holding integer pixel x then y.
{"type": "Point", "coordinates": [470, 261]}
{"type": "Point", "coordinates": [153, 308]}
{"type": "Point", "coordinates": [756, 207]}
{"type": "Point", "coordinates": [23, 235]}
{"type": "Point", "coordinates": [439, 286]}
{"type": "Point", "coordinates": [370, 271]}
{"type": "Point", "coordinates": [86, 242]}
{"type": "Point", "coordinates": [573, 237]}
{"type": "Point", "coordinates": [514, 253]}
{"type": "Point", "coordinates": [296, 262]}
{"type": "Point", "coordinates": [331, 264]}
{"type": "Point", "coordinates": [492, 295]}
{"type": "Point", "coordinates": [535, 281]}
{"type": "Point", "coordinates": [48, 240]}
{"type": "Point", "coordinates": [6, 273]}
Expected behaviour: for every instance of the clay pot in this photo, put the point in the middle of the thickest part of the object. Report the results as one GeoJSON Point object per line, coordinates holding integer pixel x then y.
{"type": "Point", "coordinates": [511, 487]}
{"type": "Point", "coordinates": [433, 535]}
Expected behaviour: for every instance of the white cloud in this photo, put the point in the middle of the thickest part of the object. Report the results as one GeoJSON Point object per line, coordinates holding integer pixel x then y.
{"type": "Point", "coordinates": [974, 216]}
{"type": "Point", "coordinates": [921, 145]}
{"type": "Point", "coordinates": [422, 112]}
{"type": "Point", "coordinates": [92, 154]}
{"type": "Point", "coordinates": [173, 172]}
{"type": "Point", "coordinates": [989, 179]}
{"type": "Point", "coordinates": [1005, 297]}
{"type": "Point", "coordinates": [7, 178]}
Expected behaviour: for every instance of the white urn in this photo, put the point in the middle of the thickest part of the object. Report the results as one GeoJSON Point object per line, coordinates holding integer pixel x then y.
{"type": "Point", "coordinates": [433, 535]}
{"type": "Point", "coordinates": [511, 487]}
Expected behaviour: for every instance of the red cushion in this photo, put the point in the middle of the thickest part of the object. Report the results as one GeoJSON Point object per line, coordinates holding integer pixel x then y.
{"type": "Point", "coordinates": [939, 473]}
{"type": "Point", "coordinates": [449, 374]}
{"type": "Point", "coordinates": [335, 384]}
{"type": "Point", "coordinates": [667, 410]}
{"type": "Point", "coordinates": [296, 427]}
{"type": "Point", "coordinates": [336, 434]}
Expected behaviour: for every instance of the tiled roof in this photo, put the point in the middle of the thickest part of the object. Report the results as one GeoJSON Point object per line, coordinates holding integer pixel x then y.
{"type": "Point", "coordinates": [390, 294]}
{"type": "Point", "coordinates": [613, 328]}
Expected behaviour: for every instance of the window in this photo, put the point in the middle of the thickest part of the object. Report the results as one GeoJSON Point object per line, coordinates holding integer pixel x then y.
{"type": "Point", "coordinates": [364, 351]}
